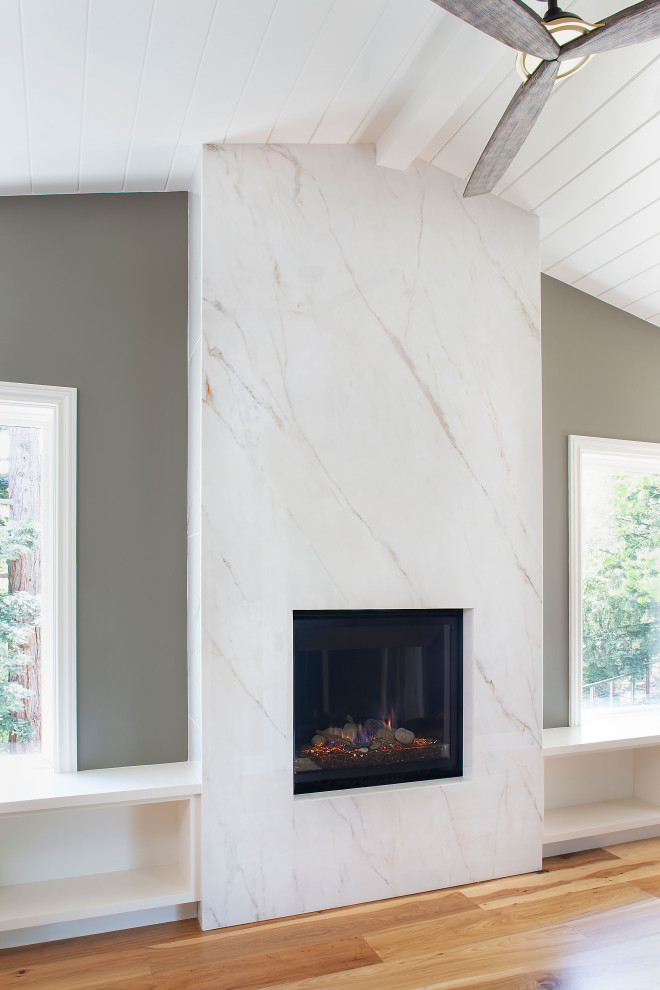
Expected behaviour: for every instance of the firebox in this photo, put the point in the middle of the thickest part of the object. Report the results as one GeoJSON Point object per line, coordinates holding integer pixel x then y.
{"type": "Point", "coordinates": [378, 697]}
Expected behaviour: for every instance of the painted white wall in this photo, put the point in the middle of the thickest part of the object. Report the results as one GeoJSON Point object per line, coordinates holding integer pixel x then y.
{"type": "Point", "coordinates": [371, 438]}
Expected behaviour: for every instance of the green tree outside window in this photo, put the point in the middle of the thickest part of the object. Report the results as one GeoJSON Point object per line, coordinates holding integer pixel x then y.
{"type": "Point", "coordinates": [621, 582]}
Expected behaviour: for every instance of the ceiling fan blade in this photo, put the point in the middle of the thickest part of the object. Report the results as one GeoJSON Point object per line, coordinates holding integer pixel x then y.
{"type": "Point", "coordinates": [509, 136]}
{"type": "Point", "coordinates": [641, 22]}
{"type": "Point", "coordinates": [508, 21]}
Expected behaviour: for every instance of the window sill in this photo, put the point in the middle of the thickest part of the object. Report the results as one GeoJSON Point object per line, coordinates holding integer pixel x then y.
{"type": "Point", "coordinates": [41, 789]}
{"type": "Point", "coordinates": [620, 732]}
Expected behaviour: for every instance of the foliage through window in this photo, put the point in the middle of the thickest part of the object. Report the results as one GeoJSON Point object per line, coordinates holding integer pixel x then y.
{"type": "Point", "coordinates": [20, 589]}
{"type": "Point", "coordinates": [617, 551]}
{"type": "Point", "coordinates": [37, 575]}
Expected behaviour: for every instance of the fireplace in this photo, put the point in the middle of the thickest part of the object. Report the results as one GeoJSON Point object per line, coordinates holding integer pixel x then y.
{"type": "Point", "coordinates": [378, 697]}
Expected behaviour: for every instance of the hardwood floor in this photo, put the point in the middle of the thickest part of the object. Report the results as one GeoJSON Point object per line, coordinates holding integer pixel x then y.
{"type": "Point", "coordinates": [587, 921]}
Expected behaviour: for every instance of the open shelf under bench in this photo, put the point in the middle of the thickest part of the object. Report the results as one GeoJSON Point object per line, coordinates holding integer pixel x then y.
{"type": "Point", "coordinates": [73, 898]}
{"type": "Point", "coordinates": [602, 782]}
{"type": "Point", "coordinates": [97, 843]}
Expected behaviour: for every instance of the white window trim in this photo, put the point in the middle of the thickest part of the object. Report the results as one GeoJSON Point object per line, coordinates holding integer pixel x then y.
{"type": "Point", "coordinates": [638, 455]}
{"type": "Point", "coordinates": [54, 409]}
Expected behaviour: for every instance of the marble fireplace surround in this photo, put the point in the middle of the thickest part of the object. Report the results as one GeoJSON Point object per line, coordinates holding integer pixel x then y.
{"type": "Point", "coordinates": [370, 438]}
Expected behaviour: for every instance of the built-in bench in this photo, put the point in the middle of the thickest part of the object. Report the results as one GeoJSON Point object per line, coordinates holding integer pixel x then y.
{"type": "Point", "coordinates": [96, 843]}
{"type": "Point", "coordinates": [602, 783]}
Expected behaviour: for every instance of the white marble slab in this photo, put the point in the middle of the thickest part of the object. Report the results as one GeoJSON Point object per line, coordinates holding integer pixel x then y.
{"type": "Point", "coordinates": [371, 439]}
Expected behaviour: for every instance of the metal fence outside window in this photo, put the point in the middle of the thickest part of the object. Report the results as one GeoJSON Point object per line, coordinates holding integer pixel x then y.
{"type": "Point", "coordinates": [624, 690]}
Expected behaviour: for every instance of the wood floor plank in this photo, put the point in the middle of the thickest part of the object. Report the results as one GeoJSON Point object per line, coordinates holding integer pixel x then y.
{"type": "Point", "coordinates": [539, 980]}
{"type": "Point", "coordinates": [507, 956]}
{"type": "Point", "coordinates": [641, 918]}
{"type": "Point", "coordinates": [233, 943]}
{"type": "Point", "coordinates": [106, 942]}
{"type": "Point", "coordinates": [620, 964]}
{"type": "Point", "coordinates": [570, 867]}
{"type": "Point", "coordinates": [83, 963]}
{"type": "Point", "coordinates": [555, 958]}
{"type": "Point", "coordinates": [568, 861]}
{"type": "Point", "coordinates": [256, 972]}
{"type": "Point", "coordinates": [537, 886]}
{"type": "Point", "coordinates": [80, 974]}
{"type": "Point", "coordinates": [638, 849]}
{"type": "Point", "coordinates": [650, 884]}
{"type": "Point", "coordinates": [409, 907]}
{"type": "Point", "coordinates": [430, 937]}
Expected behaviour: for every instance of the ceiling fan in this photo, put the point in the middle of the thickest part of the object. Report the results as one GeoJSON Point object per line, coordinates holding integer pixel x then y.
{"type": "Point", "coordinates": [516, 25]}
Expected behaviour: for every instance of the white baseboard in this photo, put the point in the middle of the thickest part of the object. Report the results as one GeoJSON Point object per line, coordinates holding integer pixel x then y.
{"type": "Point", "coordinates": [94, 926]}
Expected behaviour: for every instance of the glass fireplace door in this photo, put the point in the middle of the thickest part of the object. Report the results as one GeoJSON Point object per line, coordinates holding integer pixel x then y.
{"type": "Point", "coordinates": [377, 697]}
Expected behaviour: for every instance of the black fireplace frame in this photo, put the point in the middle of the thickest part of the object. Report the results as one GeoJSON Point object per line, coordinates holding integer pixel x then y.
{"type": "Point", "coordinates": [315, 782]}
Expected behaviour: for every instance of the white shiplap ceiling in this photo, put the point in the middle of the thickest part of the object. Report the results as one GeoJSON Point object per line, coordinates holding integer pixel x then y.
{"type": "Point", "coordinates": [110, 95]}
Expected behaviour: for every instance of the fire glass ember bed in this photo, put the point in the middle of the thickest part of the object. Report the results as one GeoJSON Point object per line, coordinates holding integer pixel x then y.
{"type": "Point", "coordinates": [378, 697]}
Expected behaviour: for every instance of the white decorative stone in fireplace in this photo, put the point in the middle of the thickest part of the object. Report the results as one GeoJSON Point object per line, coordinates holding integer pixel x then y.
{"type": "Point", "coordinates": [371, 439]}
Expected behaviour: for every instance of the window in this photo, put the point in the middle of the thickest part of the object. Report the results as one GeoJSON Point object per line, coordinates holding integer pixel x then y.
{"type": "Point", "coordinates": [37, 574]}
{"type": "Point", "coordinates": [614, 577]}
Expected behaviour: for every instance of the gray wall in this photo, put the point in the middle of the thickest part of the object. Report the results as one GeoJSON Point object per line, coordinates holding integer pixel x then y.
{"type": "Point", "coordinates": [93, 294]}
{"type": "Point", "coordinates": [600, 378]}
